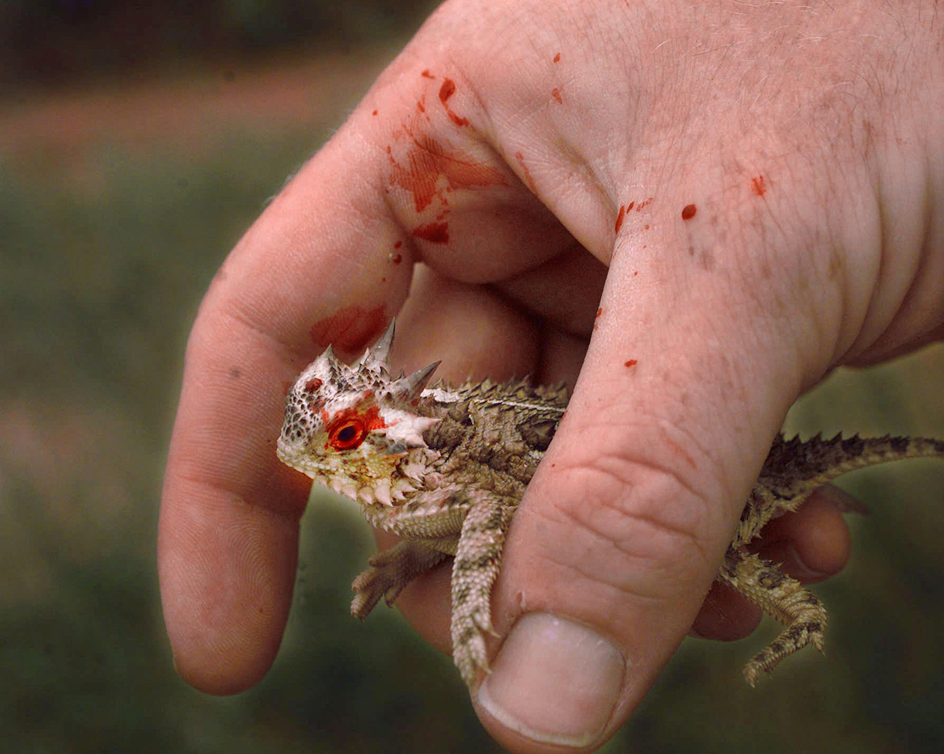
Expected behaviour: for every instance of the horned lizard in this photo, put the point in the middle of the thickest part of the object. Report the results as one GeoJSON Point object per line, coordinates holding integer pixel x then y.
{"type": "Point", "coordinates": [445, 468]}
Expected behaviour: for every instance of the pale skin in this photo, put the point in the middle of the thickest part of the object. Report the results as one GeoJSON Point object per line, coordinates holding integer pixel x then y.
{"type": "Point", "coordinates": [785, 163]}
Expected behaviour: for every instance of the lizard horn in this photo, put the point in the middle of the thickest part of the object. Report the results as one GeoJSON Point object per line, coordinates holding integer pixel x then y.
{"type": "Point", "coordinates": [377, 356]}
{"type": "Point", "coordinates": [412, 385]}
{"type": "Point", "coordinates": [327, 357]}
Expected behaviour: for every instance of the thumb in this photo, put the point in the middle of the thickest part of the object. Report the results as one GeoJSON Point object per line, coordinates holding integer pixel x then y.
{"type": "Point", "coordinates": [624, 526]}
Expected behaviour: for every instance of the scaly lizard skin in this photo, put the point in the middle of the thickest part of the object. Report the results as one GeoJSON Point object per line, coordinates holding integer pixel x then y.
{"type": "Point", "coordinates": [445, 469]}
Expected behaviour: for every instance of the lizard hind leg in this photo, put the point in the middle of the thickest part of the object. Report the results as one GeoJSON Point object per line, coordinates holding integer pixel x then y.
{"type": "Point", "coordinates": [768, 587]}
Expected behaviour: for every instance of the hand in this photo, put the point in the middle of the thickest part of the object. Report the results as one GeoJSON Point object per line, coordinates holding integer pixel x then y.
{"type": "Point", "coordinates": [731, 200]}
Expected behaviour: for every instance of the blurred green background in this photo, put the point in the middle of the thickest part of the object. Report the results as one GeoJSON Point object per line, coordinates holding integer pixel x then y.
{"type": "Point", "coordinates": [130, 162]}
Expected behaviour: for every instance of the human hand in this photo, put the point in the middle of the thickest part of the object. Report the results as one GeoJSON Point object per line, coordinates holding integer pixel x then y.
{"type": "Point", "coordinates": [759, 189]}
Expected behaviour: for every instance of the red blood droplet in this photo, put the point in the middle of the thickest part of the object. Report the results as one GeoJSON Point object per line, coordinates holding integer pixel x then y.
{"type": "Point", "coordinates": [599, 312]}
{"type": "Point", "coordinates": [374, 113]}
{"type": "Point", "coordinates": [555, 93]}
{"type": "Point", "coordinates": [619, 219]}
{"type": "Point", "coordinates": [398, 244]}
{"type": "Point", "coordinates": [688, 211]}
{"type": "Point", "coordinates": [630, 363]}
{"type": "Point", "coordinates": [350, 329]}
{"type": "Point", "coordinates": [426, 74]}
{"type": "Point", "coordinates": [759, 185]}
{"type": "Point", "coordinates": [433, 232]}
{"type": "Point", "coordinates": [527, 173]}
{"type": "Point", "coordinates": [447, 89]}
{"type": "Point", "coordinates": [396, 258]}
{"type": "Point", "coordinates": [557, 58]}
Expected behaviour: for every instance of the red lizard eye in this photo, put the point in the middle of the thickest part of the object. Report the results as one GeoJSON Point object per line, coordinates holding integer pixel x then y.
{"type": "Point", "coordinates": [347, 435]}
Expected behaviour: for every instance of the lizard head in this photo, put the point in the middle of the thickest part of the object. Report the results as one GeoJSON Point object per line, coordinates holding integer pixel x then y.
{"type": "Point", "coordinates": [354, 428]}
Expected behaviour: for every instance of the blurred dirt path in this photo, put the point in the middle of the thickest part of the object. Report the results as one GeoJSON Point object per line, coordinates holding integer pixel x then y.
{"type": "Point", "coordinates": [187, 108]}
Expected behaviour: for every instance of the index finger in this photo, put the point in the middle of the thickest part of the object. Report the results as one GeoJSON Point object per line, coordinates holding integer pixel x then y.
{"type": "Point", "coordinates": [328, 262]}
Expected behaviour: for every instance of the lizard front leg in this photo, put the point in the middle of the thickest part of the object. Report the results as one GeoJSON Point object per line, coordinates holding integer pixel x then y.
{"type": "Point", "coordinates": [389, 571]}
{"type": "Point", "coordinates": [768, 587]}
{"type": "Point", "coordinates": [477, 563]}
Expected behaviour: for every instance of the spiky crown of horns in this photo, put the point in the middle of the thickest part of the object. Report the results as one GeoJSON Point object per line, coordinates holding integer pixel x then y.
{"type": "Point", "coordinates": [349, 404]}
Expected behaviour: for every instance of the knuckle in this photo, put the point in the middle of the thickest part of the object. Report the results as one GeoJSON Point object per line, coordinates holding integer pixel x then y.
{"type": "Point", "coordinates": [644, 527]}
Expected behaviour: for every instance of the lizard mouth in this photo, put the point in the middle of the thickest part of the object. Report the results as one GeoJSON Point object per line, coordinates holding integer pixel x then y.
{"type": "Point", "coordinates": [292, 455]}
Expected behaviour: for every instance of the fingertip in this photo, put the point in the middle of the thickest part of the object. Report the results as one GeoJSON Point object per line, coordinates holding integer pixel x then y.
{"type": "Point", "coordinates": [214, 672]}
{"type": "Point", "coordinates": [227, 571]}
{"type": "Point", "coordinates": [812, 543]}
{"type": "Point", "coordinates": [593, 599]}
{"type": "Point", "coordinates": [725, 615]}
{"type": "Point", "coordinates": [545, 651]}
